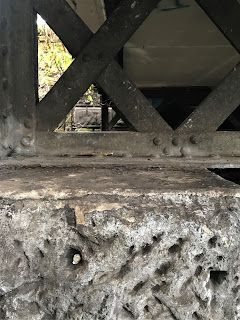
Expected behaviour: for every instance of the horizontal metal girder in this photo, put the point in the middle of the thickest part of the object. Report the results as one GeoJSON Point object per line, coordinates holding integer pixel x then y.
{"type": "Point", "coordinates": [206, 145]}
{"type": "Point", "coordinates": [143, 116]}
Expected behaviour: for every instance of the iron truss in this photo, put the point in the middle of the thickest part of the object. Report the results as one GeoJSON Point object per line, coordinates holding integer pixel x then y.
{"type": "Point", "coordinates": [27, 125]}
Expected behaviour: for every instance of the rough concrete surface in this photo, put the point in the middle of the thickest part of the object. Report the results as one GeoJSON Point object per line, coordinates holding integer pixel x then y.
{"type": "Point", "coordinates": [118, 244]}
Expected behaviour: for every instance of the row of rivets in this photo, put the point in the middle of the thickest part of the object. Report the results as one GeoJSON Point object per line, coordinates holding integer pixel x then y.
{"type": "Point", "coordinates": [185, 151]}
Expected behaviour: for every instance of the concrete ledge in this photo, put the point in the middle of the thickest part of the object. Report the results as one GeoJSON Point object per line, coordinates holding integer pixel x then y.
{"type": "Point", "coordinates": [117, 243]}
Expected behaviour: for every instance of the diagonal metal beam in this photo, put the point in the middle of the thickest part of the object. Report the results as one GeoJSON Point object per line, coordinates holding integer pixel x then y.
{"type": "Point", "coordinates": [216, 108]}
{"type": "Point", "coordinates": [60, 16]}
{"type": "Point", "coordinates": [225, 14]}
{"type": "Point", "coordinates": [225, 98]}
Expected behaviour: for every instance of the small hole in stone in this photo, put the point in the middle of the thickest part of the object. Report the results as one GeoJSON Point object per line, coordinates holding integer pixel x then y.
{"type": "Point", "coordinates": [146, 308]}
{"type": "Point", "coordinates": [180, 240]}
{"type": "Point", "coordinates": [156, 288]}
{"type": "Point", "coordinates": [196, 316]}
{"type": "Point", "coordinates": [163, 269]}
{"type": "Point", "coordinates": [198, 257]}
{"type": "Point", "coordinates": [157, 237]}
{"type": "Point", "coordinates": [236, 279]}
{"type": "Point", "coordinates": [124, 269]}
{"type": "Point", "coordinates": [146, 249]}
{"type": "Point", "coordinates": [93, 223]}
{"type": "Point", "coordinates": [90, 249]}
{"type": "Point", "coordinates": [128, 311]}
{"type": "Point", "coordinates": [47, 242]}
{"type": "Point", "coordinates": [158, 300]}
{"type": "Point", "coordinates": [174, 249]}
{"type": "Point", "coordinates": [198, 271]}
{"type": "Point", "coordinates": [138, 286]}
{"type": "Point", "coordinates": [236, 289]}
{"type": "Point", "coordinates": [218, 277]}
{"type": "Point", "coordinates": [18, 243]}
{"type": "Point", "coordinates": [41, 254]}
{"type": "Point", "coordinates": [220, 258]}
{"type": "Point", "coordinates": [131, 249]}
{"type": "Point", "coordinates": [163, 286]}
{"type": "Point", "coordinates": [212, 242]}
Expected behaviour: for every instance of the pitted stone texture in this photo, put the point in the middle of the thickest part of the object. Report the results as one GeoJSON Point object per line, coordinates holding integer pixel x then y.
{"type": "Point", "coordinates": [143, 257]}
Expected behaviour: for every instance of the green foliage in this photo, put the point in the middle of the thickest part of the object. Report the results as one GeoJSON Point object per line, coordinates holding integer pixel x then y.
{"type": "Point", "coordinates": [53, 61]}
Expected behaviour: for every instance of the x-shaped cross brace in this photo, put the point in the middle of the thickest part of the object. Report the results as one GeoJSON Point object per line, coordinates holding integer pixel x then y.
{"type": "Point", "coordinates": [95, 62]}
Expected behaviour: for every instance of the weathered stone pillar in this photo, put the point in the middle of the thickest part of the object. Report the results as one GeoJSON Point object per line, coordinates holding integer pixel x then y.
{"type": "Point", "coordinates": [113, 243]}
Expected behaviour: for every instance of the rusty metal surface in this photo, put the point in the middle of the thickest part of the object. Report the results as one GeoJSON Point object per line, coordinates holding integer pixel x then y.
{"type": "Point", "coordinates": [17, 72]}
{"type": "Point", "coordinates": [155, 138]}
{"type": "Point", "coordinates": [213, 145]}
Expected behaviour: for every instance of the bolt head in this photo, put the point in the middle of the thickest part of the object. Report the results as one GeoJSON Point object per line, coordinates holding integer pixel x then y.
{"type": "Point", "coordinates": [26, 141]}
{"type": "Point", "coordinates": [28, 123]}
{"type": "Point", "coordinates": [156, 141]}
{"type": "Point", "coordinates": [185, 152]}
{"type": "Point", "coordinates": [176, 141]}
{"type": "Point", "coordinates": [167, 151]}
{"type": "Point", "coordinates": [194, 139]}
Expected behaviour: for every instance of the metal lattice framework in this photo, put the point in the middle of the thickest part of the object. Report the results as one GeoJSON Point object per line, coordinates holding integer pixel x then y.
{"type": "Point", "coordinates": [27, 126]}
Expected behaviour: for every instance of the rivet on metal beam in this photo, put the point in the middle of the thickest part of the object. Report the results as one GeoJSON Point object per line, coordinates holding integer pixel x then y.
{"type": "Point", "coordinates": [185, 152]}
{"type": "Point", "coordinates": [28, 123]}
{"type": "Point", "coordinates": [5, 83]}
{"type": "Point", "coordinates": [4, 23]}
{"type": "Point", "coordinates": [4, 50]}
{"type": "Point", "coordinates": [176, 141]}
{"type": "Point", "coordinates": [156, 141]}
{"type": "Point", "coordinates": [26, 141]}
{"type": "Point", "coordinates": [167, 151]}
{"type": "Point", "coordinates": [193, 140]}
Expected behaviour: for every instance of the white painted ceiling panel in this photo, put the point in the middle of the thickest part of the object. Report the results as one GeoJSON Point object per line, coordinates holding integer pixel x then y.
{"type": "Point", "coordinates": [173, 47]}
